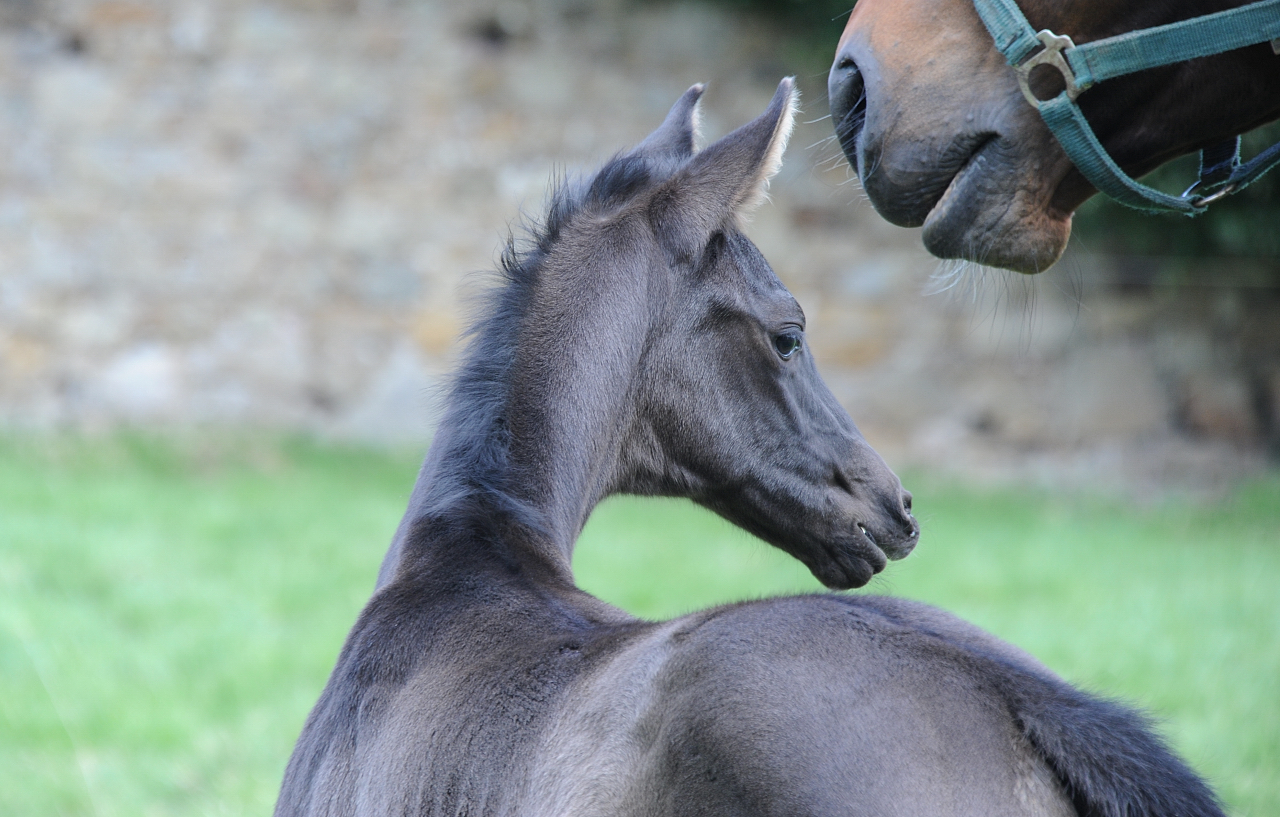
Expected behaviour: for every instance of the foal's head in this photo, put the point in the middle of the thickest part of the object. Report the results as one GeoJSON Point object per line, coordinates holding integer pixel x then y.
{"type": "Point", "coordinates": [660, 354]}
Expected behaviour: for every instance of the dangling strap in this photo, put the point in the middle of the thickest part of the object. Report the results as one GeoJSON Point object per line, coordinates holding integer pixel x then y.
{"type": "Point", "coordinates": [1222, 173]}
{"type": "Point", "coordinates": [1072, 130]}
{"type": "Point", "coordinates": [1218, 162]}
{"type": "Point", "coordinates": [1252, 170]}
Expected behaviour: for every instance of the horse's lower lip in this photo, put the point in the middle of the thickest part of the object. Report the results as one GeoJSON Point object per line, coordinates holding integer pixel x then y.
{"type": "Point", "coordinates": [848, 565]}
{"type": "Point", "coordinates": [891, 551]}
{"type": "Point", "coordinates": [965, 177]}
{"type": "Point", "coordinates": [990, 212]}
{"type": "Point", "coordinates": [855, 572]}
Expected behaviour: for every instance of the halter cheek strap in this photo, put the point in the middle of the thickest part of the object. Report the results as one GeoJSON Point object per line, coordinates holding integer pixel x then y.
{"type": "Point", "coordinates": [1082, 66]}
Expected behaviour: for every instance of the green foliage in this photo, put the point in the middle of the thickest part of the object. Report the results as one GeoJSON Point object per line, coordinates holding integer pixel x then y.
{"type": "Point", "coordinates": [167, 613]}
{"type": "Point", "coordinates": [170, 609]}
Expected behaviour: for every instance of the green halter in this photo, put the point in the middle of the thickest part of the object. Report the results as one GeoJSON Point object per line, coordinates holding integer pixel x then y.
{"type": "Point", "coordinates": [1082, 66]}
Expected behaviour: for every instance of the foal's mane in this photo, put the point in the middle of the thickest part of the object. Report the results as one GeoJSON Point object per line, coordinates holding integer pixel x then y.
{"type": "Point", "coordinates": [477, 476]}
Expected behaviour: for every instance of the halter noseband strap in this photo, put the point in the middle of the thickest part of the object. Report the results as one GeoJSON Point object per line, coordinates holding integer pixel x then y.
{"type": "Point", "coordinates": [1082, 66]}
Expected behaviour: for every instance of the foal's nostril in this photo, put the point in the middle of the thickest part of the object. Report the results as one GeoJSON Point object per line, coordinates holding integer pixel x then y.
{"type": "Point", "coordinates": [906, 501]}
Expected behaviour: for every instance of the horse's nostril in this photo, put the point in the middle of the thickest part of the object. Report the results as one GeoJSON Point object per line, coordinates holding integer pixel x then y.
{"type": "Point", "coordinates": [847, 87]}
{"type": "Point", "coordinates": [848, 94]}
{"type": "Point", "coordinates": [906, 501]}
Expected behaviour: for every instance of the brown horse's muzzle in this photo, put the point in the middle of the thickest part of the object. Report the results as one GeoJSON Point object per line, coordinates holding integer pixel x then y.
{"type": "Point", "coordinates": [929, 128]}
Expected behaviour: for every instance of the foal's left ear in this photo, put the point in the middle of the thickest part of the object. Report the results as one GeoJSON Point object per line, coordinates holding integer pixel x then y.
{"type": "Point", "coordinates": [677, 136]}
{"type": "Point", "coordinates": [727, 179]}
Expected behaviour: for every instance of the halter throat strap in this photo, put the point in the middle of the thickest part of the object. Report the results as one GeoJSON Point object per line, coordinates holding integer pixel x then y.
{"type": "Point", "coordinates": [1083, 66]}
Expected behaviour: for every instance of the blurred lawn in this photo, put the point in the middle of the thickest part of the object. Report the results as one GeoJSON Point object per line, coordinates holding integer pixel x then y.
{"type": "Point", "coordinates": [169, 610]}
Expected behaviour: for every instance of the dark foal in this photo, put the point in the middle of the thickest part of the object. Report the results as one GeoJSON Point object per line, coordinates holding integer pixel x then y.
{"type": "Point", "coordinates": [642, 344]}
{"type": "Point", "coordinates": [932, 119]}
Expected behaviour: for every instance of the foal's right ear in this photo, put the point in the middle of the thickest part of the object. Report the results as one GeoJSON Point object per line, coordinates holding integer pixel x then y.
{"type": "Point", "coordinates": [677, 136]}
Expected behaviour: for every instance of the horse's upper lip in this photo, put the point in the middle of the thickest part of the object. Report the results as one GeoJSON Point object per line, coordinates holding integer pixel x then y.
{"type": "Point", "coordinates": [906, 186]}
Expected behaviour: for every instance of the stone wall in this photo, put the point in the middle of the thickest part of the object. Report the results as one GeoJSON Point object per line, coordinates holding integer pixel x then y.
{"type": "Point", "coordinates": [239, 212]}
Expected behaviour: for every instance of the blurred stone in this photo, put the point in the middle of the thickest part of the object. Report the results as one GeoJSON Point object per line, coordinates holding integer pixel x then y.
{"type": "Point", "coordinates": [192, 27]}
{"type": "Point", "coordinates": [141, 383]}
{"type": "Point", "coordinates": [1110, 393]}
{"type": "Point", "coordinates": [71, 96]}
{"type": "Point", "coordinates": [1218, 405]}
{"type": "Point", "coordinates": [396, 405]}
{"type": "Point", "coordinates": [363, 224]}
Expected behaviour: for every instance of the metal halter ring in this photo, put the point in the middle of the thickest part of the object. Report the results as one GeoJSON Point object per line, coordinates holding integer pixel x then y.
{"type": "Point", "coordinates": [1208, 198]}
{"type": "Point", "coordinates": [1051, 55]}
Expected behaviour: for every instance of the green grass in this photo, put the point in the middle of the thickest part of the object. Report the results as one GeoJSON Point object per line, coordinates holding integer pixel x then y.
{"type": "Point", "coordinates": [170, 609]}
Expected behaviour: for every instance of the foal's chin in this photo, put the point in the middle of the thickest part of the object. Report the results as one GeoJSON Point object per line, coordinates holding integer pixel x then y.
{"type": "Point", "coordinates": [844, 568]}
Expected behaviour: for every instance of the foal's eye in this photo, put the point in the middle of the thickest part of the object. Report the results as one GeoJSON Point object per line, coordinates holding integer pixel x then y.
{"type": "Point", "coordinates": [787, 344]}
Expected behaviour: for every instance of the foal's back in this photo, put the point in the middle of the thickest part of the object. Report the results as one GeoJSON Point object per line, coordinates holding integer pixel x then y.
{"type": "Point", "coordinates": [815, 705]}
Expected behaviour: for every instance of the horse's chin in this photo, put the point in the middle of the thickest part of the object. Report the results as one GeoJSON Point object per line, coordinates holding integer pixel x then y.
{"type": "Point", "coordinates": [1015, 231]}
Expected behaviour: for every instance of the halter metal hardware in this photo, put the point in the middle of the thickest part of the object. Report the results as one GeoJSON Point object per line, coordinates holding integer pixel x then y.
{"type": "Point", "coordinates": [1051, 54]}
{"type": "Point", "coordinates": [1200, 202]}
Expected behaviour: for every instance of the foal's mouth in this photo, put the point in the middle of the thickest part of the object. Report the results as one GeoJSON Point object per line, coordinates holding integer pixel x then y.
{"type": "Point", "coordinates": [841, 569]}
{"type": "Point", "coordinates": [893, 550]}
{"type": "Point", "coordinates": [856, 560]}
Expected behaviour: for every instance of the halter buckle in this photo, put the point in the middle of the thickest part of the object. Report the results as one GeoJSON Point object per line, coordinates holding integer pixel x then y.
{"type": "Point", "coordinates": [1051, 55]}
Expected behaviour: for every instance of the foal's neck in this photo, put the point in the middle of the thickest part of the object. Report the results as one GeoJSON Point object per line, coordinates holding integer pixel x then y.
{"type": "Point", "coordinates": [535, 421]}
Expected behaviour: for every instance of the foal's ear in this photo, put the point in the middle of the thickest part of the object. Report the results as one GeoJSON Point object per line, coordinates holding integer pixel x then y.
{"type": "Point", "coordinates": [677, 136]}
{"type": "Point", "coordinates": [727, 179]}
